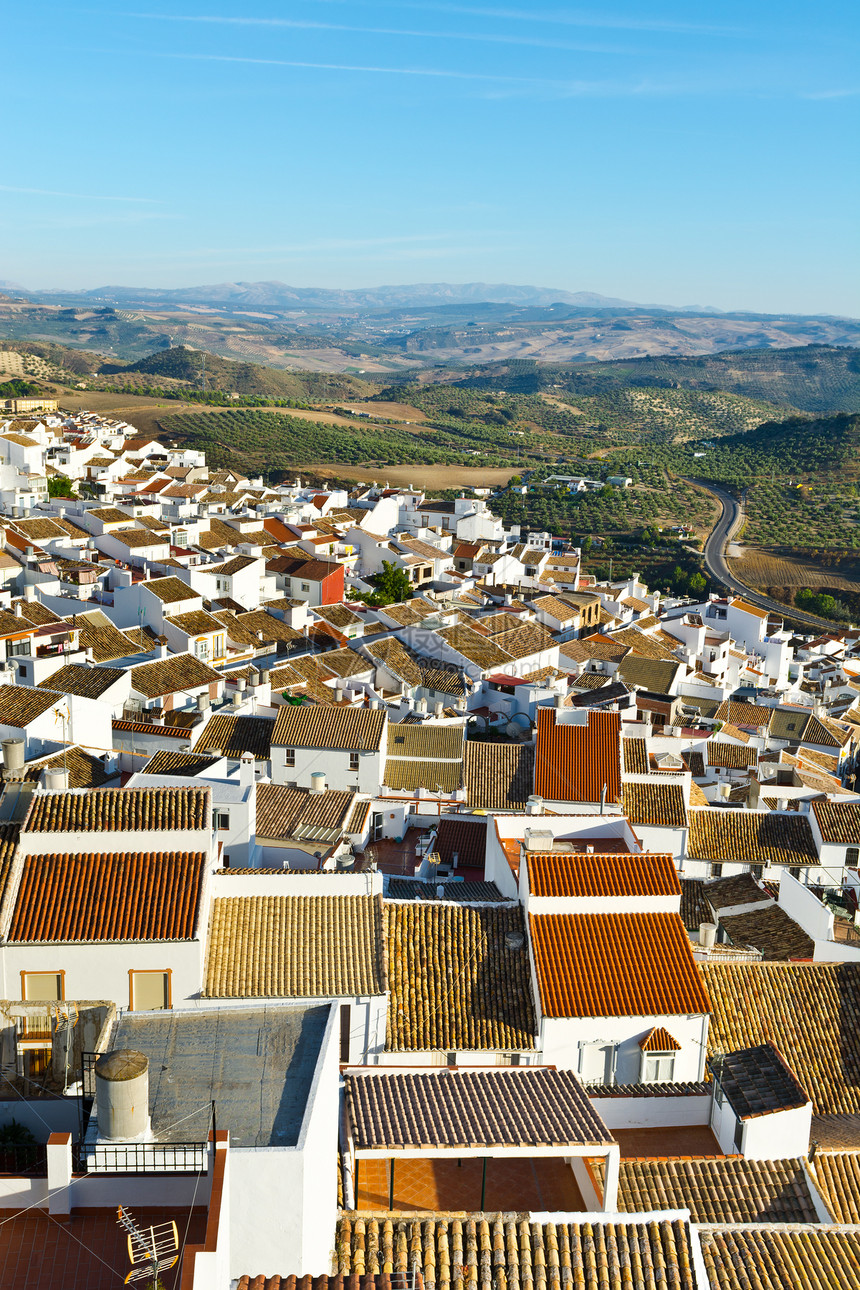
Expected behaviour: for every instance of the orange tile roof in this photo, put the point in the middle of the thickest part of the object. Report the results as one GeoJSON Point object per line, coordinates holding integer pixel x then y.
{"type": "Point", "coordinates": [561, 873]}
{"type": "Point", "coordinates": [659, 1040]}
{"type": "Point", "coordinates": [573, 762]}
{"type": "Point", "coordinates": [615, 965]}
{"type": "Point", "coordinates": [147, 897]}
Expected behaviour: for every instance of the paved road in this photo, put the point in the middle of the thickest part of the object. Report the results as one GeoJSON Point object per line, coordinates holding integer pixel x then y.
{"type": "Point", "coordinates": [715, 561]}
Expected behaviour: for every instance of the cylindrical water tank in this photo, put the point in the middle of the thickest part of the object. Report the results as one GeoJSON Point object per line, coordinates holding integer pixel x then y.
{"type": "Point", "coordinates": [13, 754]}
{"type": "Point", "coordinates": [203, 703]}
{"type": "Point", "coordinates": [317, 781]}
{"type": "Point", "coordinates": [122, 1094]}
{"type": "Point", "coordinates": [56, 779]}
{"type": "Point", "coordinates": [707, 935]}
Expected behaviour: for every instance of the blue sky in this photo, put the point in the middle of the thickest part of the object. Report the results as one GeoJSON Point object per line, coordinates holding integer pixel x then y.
{"type": "Point", "coordinates": [677, 153]}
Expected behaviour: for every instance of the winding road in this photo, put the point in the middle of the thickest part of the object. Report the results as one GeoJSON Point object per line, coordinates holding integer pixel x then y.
{"type": "Point", "coordinates": [716, 565]}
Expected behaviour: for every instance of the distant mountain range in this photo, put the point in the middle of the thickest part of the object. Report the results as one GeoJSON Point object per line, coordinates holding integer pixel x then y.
{"type": "Point", "coordinates": [281, 297]}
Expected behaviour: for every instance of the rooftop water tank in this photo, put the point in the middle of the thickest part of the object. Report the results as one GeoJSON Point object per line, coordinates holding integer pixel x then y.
{"type": "Point", "coordinates": [122, 1094]}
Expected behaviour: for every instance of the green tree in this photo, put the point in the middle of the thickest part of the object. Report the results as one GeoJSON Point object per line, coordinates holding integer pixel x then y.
{"type": "Point", "coordinates": [392, 585]}
{"type": "Point", "coordinates": [60, 486]}
{"type": "Point", "coordinates": [697, 583]}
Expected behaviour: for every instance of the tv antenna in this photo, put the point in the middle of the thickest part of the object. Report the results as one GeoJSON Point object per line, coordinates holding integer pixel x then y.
{"type": "Point", "coordinates": [152, 1250]}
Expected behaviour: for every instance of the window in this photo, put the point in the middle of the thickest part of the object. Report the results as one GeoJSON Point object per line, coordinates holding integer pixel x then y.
{"type": "Point", "coordinates": [22, 671]}
{"type": "Point", "coordinates": [353, 761]}
{"type": "Point", "coordinates": [659, 1068]}
{"type": "Point", "coordinates": [220, 819]}
{"type": "Point", "coordinates": [852, 856]}
{"type": "Point", "coordinates": [451, 1059]}
{"type": "Point", "coordinates": [716, 871]}
{"type": "Point", "coordinates": [306, 586]}
{"type": "Point", "coordinates": [289, 756]}
{"type": "Point", "coordinates": [148, 990]}
{"type": "Point", "coordinates": [203, 649]}
{"type": "Point", "coordinates": [16, 648]}
{"type": "Point", "coordinates": [739, 1135]}
{"type": "Point", "coordinates": [49, 987]}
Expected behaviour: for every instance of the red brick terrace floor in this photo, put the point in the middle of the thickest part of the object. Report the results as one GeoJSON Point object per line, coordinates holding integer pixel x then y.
{"type": "Point", "coordinates": [684, 1140]}
{"type": "Point", "coordinates": [399, 858]}
{"type": "Point", "coordinates": [88, 1253]}
{"type": "Point", "coordinates": [542, 1183]}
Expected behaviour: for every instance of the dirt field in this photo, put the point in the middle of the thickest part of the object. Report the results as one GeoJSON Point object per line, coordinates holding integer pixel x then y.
{"type": "Point", "coordinates": [426, 477]}
{"type": "Point", "coordinates": [396, 411]}
{"type": "Point", "coordinates": [762, 568]}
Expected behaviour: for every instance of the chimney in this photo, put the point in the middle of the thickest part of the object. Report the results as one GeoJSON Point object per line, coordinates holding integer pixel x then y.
{"type": "Point", "coordinates": [246, 770]}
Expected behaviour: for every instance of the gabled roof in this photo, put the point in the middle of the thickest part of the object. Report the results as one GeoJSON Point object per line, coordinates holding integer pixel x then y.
{"type": "Point", "coordinates": [77, 678]}
{"type": "Point", "coordinates": [231, 735]}
{"type": "Point", "coordinates": [655, 804]}
{"type": "Point", "coordinates": [758, 1081]}
{"type": "Point", "coordinates": [722, 1190]}
{"type": "Point", "coordinates": [563, 873]}
{"type": "Point", "coordinates": [21, 704]}
{"type": "Point", "coordinates": [284, 813]}
{"type": "Point", "coordinates": [295, 947]}
{"type": "Point", "coordinates": [498, 776]}
{"type": "Point", "coordinates": [167, 675]}
{"type": "Point", "coordinates": [478, 649]}
{"type": "Point", "coordinates": [170, 590]}
{"type": "Point", "coordinates": [574, 762]}
{"type": "Point", "coordinates": [838, 822]}
{"type": "Point", "coordinates": [335, 727]}
{"type": "Point", "coordinates": [106, 641]}
{"type": "Point", "coordinates": [807, 1258]}
{"type": "Point", "coordinates": [615, 965]}
{"type": "Point", "coordinates": [85, 769]}
{"type": "Point", "coordinates": [743, 714]}
{"type": "Point", "coordinates": [147, 897]}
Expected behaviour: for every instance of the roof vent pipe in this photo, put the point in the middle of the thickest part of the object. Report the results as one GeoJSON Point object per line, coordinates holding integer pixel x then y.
{"type": "Point", "coordinates": [603, 799]}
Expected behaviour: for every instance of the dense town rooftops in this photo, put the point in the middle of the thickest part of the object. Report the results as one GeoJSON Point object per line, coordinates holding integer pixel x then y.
{"type": "Point", "coordinates": [808, 1258]}
{"type": "Point", "coordinates": [724, 1190]}
{"type": "Point", "coordinates": [176, 673]}
{"type": "Point", "coordinates": [615, 965]}
{"type": "Point", "coordinates": [284, 812]}
{"type": "Point", "coordinates": [838, 822]}
{"type": "Point", "coordinates": [498, 776]}
{"type": "Point", "coordinates": [87, 682]}
{"type": "Point", "coordinates": [21, 704]}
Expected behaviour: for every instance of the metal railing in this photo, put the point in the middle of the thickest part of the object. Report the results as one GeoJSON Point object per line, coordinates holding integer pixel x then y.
{"type": "Point", "coordinates": [143, 1158]}
{"type": "Point", "coordinates": [24, 1159]}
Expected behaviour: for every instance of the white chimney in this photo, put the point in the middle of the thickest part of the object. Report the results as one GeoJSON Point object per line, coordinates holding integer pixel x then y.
{"type": "Point", "coordinates": [246, 770]}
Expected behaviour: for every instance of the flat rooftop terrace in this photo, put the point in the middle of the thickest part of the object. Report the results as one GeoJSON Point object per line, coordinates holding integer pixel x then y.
{"type": "Point", "coordinates": [256, 1064]}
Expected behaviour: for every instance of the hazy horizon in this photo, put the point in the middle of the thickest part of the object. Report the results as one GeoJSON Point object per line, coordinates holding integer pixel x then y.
{"type": "Point", "coordinates": [682, 157]}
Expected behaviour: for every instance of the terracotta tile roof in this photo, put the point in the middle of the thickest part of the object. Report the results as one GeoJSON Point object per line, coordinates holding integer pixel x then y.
{"type": "Point", "coordinates": [340, 727]}
{"type": "Point", "coordinates": [233, 735]}
{"type": "Point", "coordinates": [125, 810]}
{"type": "Point", "coordinates": [196, 623]}
{"type": "Point", "coordinates": [518, 1107]}
{"type": "Point", "coordinates": [560, 873]}
{"type": "Point", "coordinates": [77, 678]}
{"type": "Point", "coordinates": [757, 1081]}
{"type": "Point", "coordinates": [655, 804]}
{"type": "Point", "coordinates": [757, 837]}
{"type": "Point", "coordinates": [9, 833]}
{"type": "Point", "coordinates": [110, 515]}
{"type": "Point", "coordinates": [726, 756]}
{"type": "Point", "coordinates": [464, 893]}
{"type": "Point", "coordinates": [498, 776]}
{"type": "Point", "coordinates": [478, 649]}
{"type": "Point", "coordinates": [808, 1010]}
{"type": "Point", "coordinates": [574, 762]}
{"type": "Point", "coordinates": [726, 1190]}
{"type": "Point", "coordinates": [838, 822]}
{"type": "Point", "coordinates": [167, 762]}
{"type": "Point", "coordinates": [837, 1176]}
{"type": "Point", "coordinates": [770, 930]}
{"type": "Point", "coordinates": [465, 838]}
{"type": "Point", "coordinates": [488, 1252]}
{"type": "Point", "coordinates": [743, 714]}
{"type": "Point", "coordinates": [86, 770]}
{"type": "Point", "coordinates": [653, 647]}
{"type": "Point", "coordinates": [390, 652]}
{"type": "Point", "coordinates": [654, 674]}
{"type": "Point", "coordinates": [105, 640]}
{"type": "Point", "coordinates": [615, 965]}
{"type": "Point", "coordinates": [147, 897]}
{"type": "Point", "coordinates": [345, 662]}
{"type": "Point", "coordinates": [427, 740]}
{"type": "Point", "coordinates": [284, 813]}
{"type": "Point", "coordinates": [170, 591]}
{"type": "Point", "coordinates": [695, 763]}
{"type": "Point", "coordinates": [295, 947]}
{"type": "Point", "coordinates": [132, 538]}
{"type": "Point", "coordinates": [168, 675]}
{"type": "Point", "coordinates": [810, 1258]}
{"type": "Point", "coordinates": [694, 910]}
{"type": "Point", "coordinates": [734, 732]}
{"type": "Point", "coordinates": [21, 704]}
{"type": "Point", "coordinates": [603, 647]}
{"type": "Point", "coordinates": [739, 889]}
{"type": "Point", "coordinates": [402, 776]}
{"type": "Point", "coordinates": [35, 612]}
{"type": "Point", "coordinates": [697, 796]}
{"type": "Point", "coordinates": [266, 627]}
{"type": "Point", "coordinates": [635, 756]}
{"type": "Point", "coordinates": [557, 607]}
{"type": "Point", "coordinates": [658, 1040]}
{"type": "Point", "coordinates": [438, 677]}
{"type": "Point", "coordinates": [524, 640]}
{"type": "Point", "coordinates": [475, 995]}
